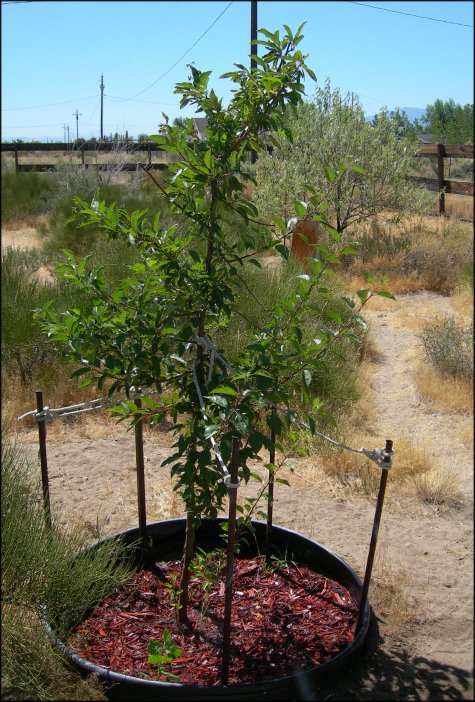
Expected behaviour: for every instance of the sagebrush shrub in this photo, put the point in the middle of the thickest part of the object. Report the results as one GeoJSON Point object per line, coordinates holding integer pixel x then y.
{"type": "Point", "coordinates": [449, 347]}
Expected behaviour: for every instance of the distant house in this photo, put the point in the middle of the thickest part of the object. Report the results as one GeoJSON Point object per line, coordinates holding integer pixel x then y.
{"type": "Point", "coordinates": [425, 138]}
{"type": "Point", "coordinates": [200, 124]}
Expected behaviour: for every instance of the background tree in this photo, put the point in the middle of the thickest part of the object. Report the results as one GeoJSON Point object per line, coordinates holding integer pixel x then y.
{"type": "Point", "coordinates": [326, 135]}
{"type": "Point", "coordinates": [449, 122]}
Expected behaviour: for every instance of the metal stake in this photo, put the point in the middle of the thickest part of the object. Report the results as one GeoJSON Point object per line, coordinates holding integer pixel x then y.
{"type": "Point", "coordinates": [374, 535]}
{"type": "Point", "coordinates": [139, 459]}
{"type": "Point", "coordinates": [43, 459]}
{"type": "Point", "coordinates": [228, 592]}
{"type": "Point", "coordinates": [270, 494]}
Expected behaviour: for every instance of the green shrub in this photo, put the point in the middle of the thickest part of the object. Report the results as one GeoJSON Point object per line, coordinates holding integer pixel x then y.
{"type": "Point", "coordinates": [335, 382]}
{"type": "Point", "coordinates": [26, 194]}
{"type": "Point", "coordinates": [44, 572]}
{"type": "Point", "coordinates": [449, 347]}
{"type": "Point", "coordinates": [63, 231]}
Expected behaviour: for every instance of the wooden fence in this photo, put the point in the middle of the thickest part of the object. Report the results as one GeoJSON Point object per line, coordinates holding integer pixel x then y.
{"type": "Point", "coordinates": [441, 184]}
{"type": "Point", "coordinates": [85, 155]}
{"type": "Point", "coordinates": [81, 155]}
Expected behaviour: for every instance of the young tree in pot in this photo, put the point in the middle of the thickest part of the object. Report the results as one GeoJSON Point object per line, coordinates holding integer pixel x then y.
{"type": "Point", "coordinates": [151, 331]}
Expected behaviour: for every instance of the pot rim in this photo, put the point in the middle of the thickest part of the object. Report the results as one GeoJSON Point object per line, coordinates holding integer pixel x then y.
{"type": "Point", "coordinates": [112, 676]}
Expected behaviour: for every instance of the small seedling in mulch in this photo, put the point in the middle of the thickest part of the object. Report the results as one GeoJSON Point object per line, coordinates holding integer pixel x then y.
{"type": "Point", "coordinates": [161, 653]}
{"type": "Point", "coordinates": [171, 585]}
{"type": "Point", "coordinates": [206, 568]}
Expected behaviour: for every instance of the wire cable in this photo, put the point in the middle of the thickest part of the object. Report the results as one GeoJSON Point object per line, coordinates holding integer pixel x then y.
{"type": "Point", "coordinates": [410, 14]}
{"type": "Point", "coordinates": [169, 70]}
{"type": "Point", "coordinates": [51, 104]}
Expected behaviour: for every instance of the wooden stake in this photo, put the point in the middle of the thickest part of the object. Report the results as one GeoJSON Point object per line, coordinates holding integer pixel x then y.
{"type": "Point", "coordinates": [43, 458]}
{"type": "Point", "coordinates": [228, 591]}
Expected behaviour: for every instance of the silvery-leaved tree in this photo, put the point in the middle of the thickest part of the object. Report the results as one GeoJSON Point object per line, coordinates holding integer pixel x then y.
{"type": "Point", "coordinates": [355, 169]}
{"type": "Point", "coordinates": [157, 328]}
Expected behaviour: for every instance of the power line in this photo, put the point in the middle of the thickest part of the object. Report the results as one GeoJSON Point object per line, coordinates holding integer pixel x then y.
{"type": "Point", "coordinates": [169, 70]}
{"type": "Point", "coordinates": [115, 98]}
{"type": "Point", "coordinates": [130, 99]}
{"type": "Point", "coordinates": [51, 104]}
{"type": "Point", "coordinates": [410, 14]}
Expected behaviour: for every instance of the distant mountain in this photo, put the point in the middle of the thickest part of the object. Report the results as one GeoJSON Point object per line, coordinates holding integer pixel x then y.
{"type": "Point", "coordinates": [412, 112]}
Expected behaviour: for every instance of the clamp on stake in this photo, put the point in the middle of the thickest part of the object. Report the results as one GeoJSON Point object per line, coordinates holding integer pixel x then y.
{"type": "Point", "coordinates": [44, 415]}
{"type": "Point", "coordinates": [382, 457]}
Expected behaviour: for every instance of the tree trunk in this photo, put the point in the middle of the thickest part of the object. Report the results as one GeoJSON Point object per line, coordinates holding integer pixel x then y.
{"type": "Point", "coordinates": [188, 551]}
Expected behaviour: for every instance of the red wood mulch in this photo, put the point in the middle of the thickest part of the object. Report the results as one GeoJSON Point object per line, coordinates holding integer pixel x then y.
{"type": "Point", "coordinates": [282, 622]}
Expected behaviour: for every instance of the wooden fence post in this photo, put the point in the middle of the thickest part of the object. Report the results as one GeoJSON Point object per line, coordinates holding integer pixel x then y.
{"type": "Point", "coordinates": [16, 161]}
{"type": "Point", "coordinates": [83, 160]}
{"type": "Point", "coordinates": [440, 176]}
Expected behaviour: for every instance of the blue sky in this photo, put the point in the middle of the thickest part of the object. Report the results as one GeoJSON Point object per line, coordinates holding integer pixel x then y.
{"type": "Point", "coordinates": [53, 52]}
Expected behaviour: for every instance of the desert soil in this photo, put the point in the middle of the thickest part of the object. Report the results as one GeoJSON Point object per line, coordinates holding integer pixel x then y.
{"type": "Point", "coordinates": [427, 657]}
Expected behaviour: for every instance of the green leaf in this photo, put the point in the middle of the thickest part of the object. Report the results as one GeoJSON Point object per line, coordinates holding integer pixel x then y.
{"type": "Point", "coordinates": [300, 208]}
{"type": "Point", "coordinates": [218, 400]}
{"type": "Point", "coordinates": [330, 174]}
{"type": "Point", "coordinates": [274, 423]}
{"type": "Point", "coordinates": [364, 295]}
{"type": "Point", "coordinates": [386, 293]}
{"type": "Point", "coordinates": [310, 73]}
{"type": "Point", "coordinates": [224, 390]}
{"type": "Point", "coordinates": [282, 250]}
{"type": "Point", "coordinates": [210, 430]}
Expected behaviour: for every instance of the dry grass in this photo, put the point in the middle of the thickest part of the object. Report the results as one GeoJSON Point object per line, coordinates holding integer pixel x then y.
{"type": "Point", "coordinates": [462, 301]}
{"type": "Point", "coordinates": [466, 434]}
{"type": "Point", "coordinates": [439, 489]}
{"type": "Point", "coordinates": [444, 392]}
{"type": "Point", "coordinates": [459, 206]}
{"type": "Point", "coordinates": [389, 592]}
{"type": "Point", "coordinates": [58, 391]}
{"type": "Point", "coordinates": [359, 475]}
{"type": "Point", "coordinates": [418, 253]}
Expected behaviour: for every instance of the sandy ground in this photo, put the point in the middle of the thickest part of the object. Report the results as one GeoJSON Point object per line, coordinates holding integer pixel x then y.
{"type": "Point", "coordinates": [430, 657]}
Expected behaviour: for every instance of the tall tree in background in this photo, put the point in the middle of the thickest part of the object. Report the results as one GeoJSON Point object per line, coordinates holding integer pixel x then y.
{"type": "Point", "coordinates": [449, 122]}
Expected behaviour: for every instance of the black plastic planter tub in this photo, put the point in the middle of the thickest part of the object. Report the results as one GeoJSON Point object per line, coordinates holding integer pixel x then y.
{"type": "Point", "coordinates": [166, 543]}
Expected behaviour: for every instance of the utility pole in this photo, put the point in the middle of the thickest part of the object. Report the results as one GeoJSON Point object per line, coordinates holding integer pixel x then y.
{"type": "Point", "coordinates": [64, 133]}
{"type": "Point", "coordinates": [102, 106]}
{"type": "Point", "coordinates": [253, 33]}
{"type": "Point", "coordinates": [77, 114]}
{"type": "Point", "coordinates": [253, 50]}
{"type": "Point", "coordinates": [67, 130]}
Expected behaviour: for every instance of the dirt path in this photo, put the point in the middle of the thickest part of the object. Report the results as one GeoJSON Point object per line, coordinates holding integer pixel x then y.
{"type": "Point", "coordinates": [429, 657]}
{"type": "Point", "coordinates": [20, 237]}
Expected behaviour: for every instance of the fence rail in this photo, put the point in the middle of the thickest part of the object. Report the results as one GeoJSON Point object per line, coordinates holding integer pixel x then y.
{"type": "Point", "coordinates": [440, 184]}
